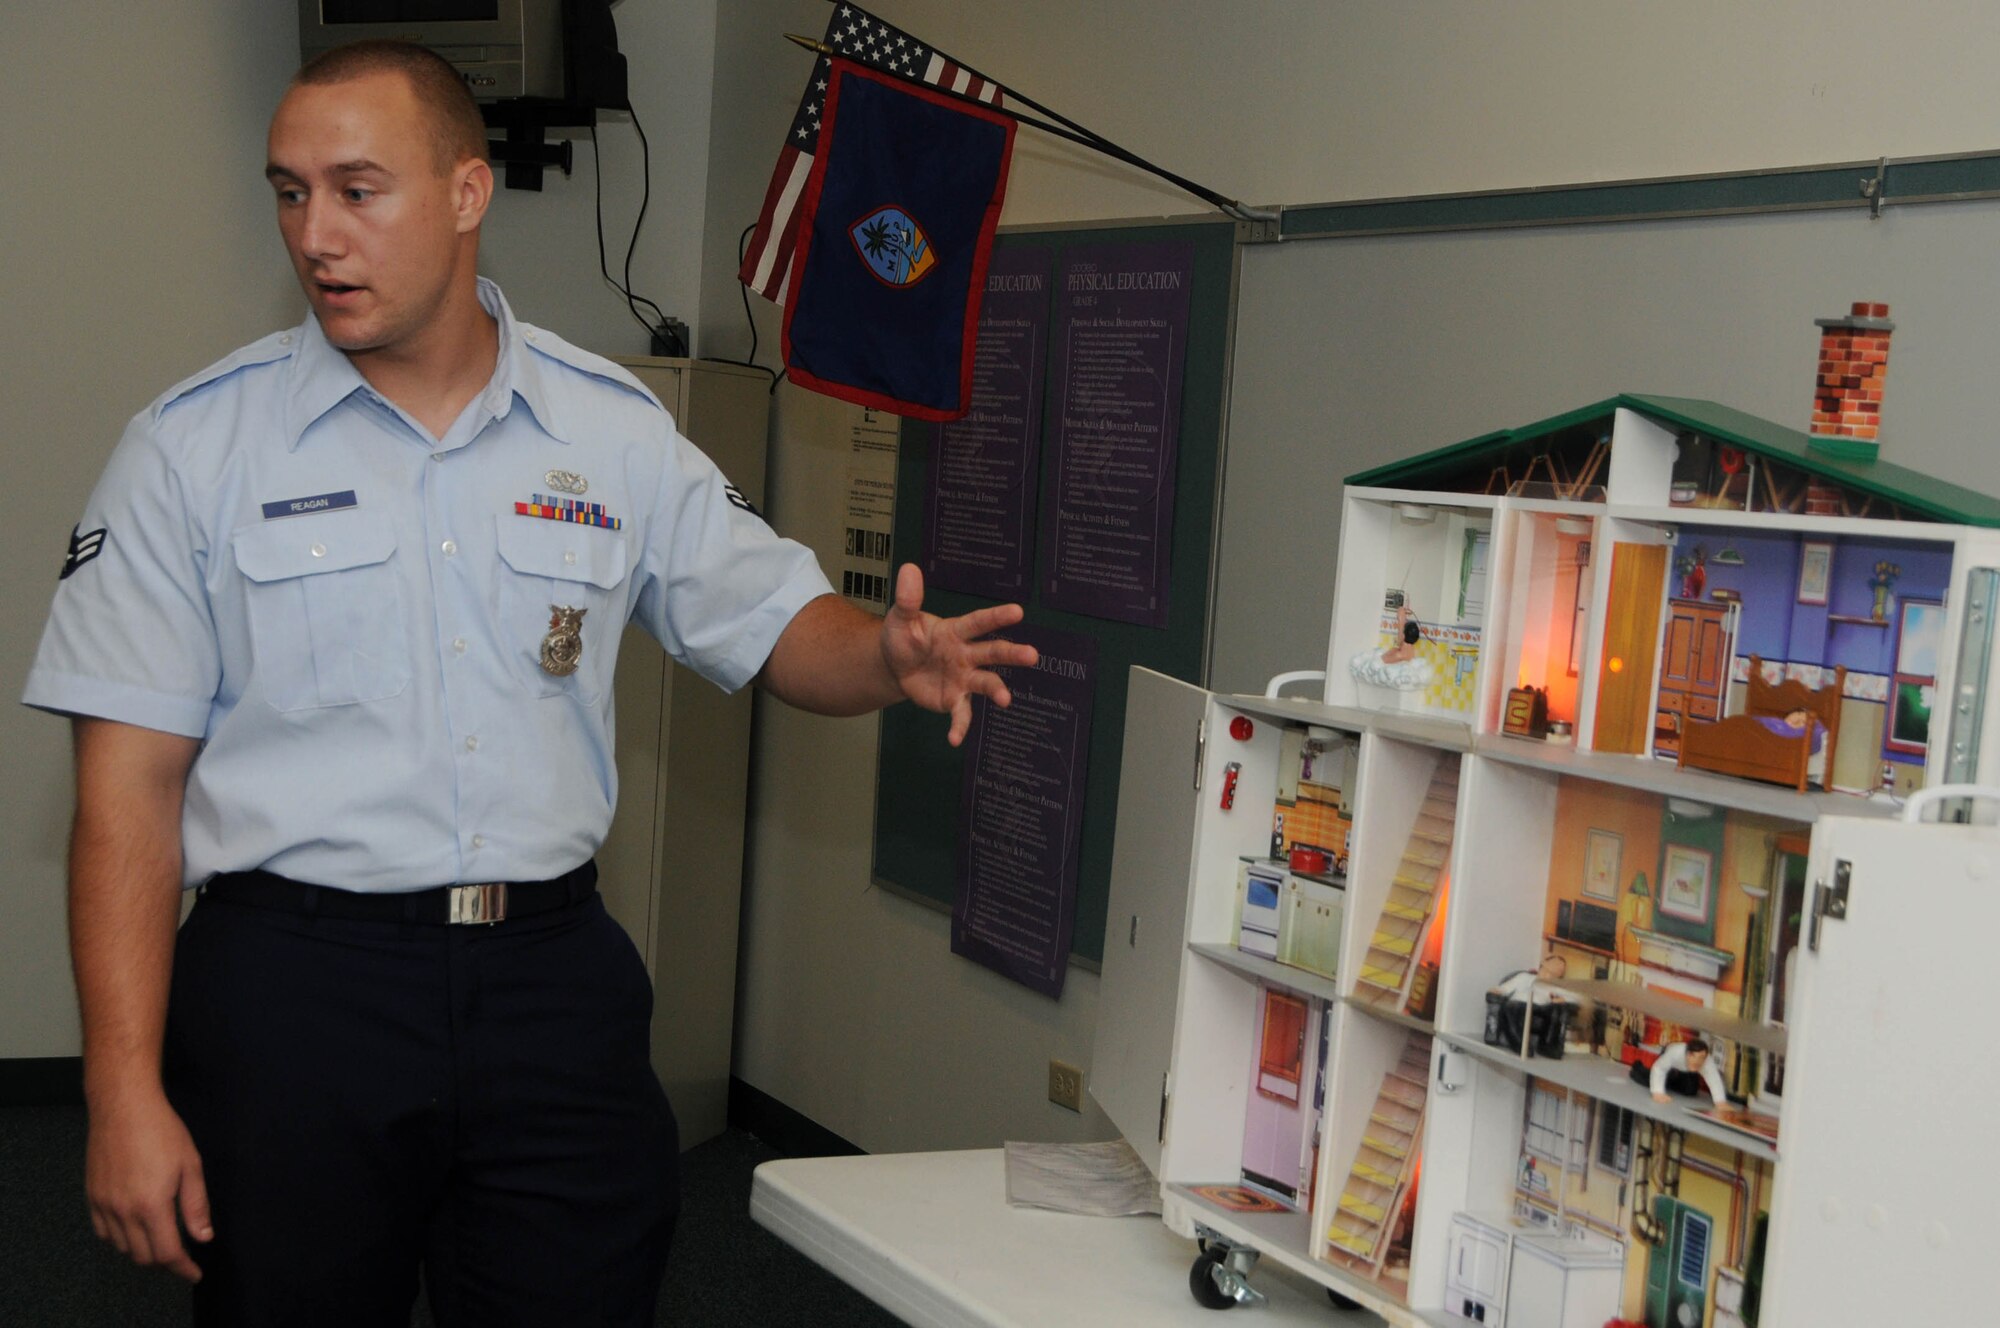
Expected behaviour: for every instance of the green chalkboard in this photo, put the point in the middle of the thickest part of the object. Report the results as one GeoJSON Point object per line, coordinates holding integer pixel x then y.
{"type": "Point", "coordinates": [917, 785]}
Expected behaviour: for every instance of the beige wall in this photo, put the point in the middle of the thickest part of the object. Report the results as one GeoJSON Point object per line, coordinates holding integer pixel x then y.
{"type": "Point", "coordinates": [139, 247]}
{"type": "Point", "coordinates": [1307, 101]}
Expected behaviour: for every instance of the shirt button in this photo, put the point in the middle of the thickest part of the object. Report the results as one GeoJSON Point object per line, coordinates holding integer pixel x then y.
{"type": "Point", "coordinates": [285, 340]}
{"type": "Point", "coordinates": [479, 841]}
{"type": "Point", "coordinates": [450, 548]}
{"type": "Point", "coordinates": [528, 336]}
{"type": "Point", "coordinates": [458, 645]}
{"type": "Point", "coordinates": [319, 550]}
{"type": "Point", "coordinates": [472, 743]}
{"type": "Point", "coordinates": [569, 556]}
{"type": "Point", "coordinates": [437, 456]}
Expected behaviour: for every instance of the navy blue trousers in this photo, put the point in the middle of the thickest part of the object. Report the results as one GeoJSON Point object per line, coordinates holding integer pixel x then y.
{"type": "Point", "coordinates": [372, 1097]}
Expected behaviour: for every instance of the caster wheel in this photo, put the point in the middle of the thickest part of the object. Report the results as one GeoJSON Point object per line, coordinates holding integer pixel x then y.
{"type": "Point", "coordinates": [1341, 1302]}
{"type": "Point", "coordinates": [1201, 1282]}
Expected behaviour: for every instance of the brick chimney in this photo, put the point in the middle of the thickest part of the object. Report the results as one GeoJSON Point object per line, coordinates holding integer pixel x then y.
{"type": "Point", "coordinates": [1847, 395]}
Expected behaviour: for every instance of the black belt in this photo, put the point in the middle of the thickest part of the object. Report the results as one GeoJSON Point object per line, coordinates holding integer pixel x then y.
{"type": "Point", "coordinates": [491, 901]}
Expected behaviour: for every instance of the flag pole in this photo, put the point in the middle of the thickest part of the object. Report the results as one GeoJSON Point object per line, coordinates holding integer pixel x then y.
{"type": "Point", "coordinates": [1029, 102]}
{"type": "Point", "coordinates": [1078, 135]}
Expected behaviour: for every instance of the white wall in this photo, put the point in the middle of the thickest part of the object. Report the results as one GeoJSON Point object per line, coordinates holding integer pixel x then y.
{"type": "Point", "coordinates": [139, 247]}
{"type": "Point", "coordinates": [852, 1011]}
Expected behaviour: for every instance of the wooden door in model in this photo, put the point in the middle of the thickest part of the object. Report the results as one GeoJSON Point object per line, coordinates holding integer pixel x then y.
{"type": "Point", "coordinates": [1694, 669]}
{"type": "Point", "coordinates": [1631, 645]}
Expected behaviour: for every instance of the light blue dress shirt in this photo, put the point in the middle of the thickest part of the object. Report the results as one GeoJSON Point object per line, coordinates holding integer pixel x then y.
{"type": "Point", "coordinates": [350, 613]}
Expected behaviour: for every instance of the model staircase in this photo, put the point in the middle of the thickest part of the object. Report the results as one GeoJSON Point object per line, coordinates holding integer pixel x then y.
{"type": "Point", "coordinates": [1384, 978]}
{"type": "Point", "coordinates": [1384, 1164]}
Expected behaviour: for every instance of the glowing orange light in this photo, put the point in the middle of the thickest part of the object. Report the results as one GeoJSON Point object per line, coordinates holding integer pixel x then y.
{"type": "Point", "coordinates": [1434, 941]}
{"type": "Point", "coordinates": [1616, 665]}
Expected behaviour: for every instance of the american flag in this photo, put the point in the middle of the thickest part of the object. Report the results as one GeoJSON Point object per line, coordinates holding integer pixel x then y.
{"type": "Point", "coordinates": [859, 36]}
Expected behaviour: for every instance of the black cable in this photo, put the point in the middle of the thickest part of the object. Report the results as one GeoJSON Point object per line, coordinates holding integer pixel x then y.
{"type": "Point", "coordinates": [632, 302]}
{"type": "Point", "coordinates": [742, 248]}
{"type": "Point", "coordinates": [749, 361]}
{"type": "Point", "coordinates": [645, 197]}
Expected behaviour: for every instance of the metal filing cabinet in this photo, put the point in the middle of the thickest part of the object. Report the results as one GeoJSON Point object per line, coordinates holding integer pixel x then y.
{"type": "Point", "coordinates": [672, 868]}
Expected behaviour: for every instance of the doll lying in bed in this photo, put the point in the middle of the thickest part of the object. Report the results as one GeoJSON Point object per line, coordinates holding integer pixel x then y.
{"type": "Point", "coordinates": [1787, 734]}
{"type": "Point", "coordinates": [1794, 724]}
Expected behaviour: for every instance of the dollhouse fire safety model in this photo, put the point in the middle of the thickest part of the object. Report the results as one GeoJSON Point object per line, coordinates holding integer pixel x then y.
{"type": "Point", "coordinates": [1577, 958]}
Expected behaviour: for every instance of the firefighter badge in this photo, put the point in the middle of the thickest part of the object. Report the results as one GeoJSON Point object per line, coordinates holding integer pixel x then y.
{"type": "Point", "coordinates": [562, 648]}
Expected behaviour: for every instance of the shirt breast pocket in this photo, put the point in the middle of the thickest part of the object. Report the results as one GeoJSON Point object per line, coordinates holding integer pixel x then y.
{"type": "Point", "coordinates": [559, 604]}
{"type": "Point", "coordinates": [325, 609]}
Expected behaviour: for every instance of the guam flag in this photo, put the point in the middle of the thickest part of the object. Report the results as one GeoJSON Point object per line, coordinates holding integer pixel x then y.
{"type": "Point", "coordinates": [895, 226]}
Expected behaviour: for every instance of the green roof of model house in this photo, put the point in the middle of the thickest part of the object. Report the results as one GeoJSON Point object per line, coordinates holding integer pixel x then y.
{"type": "Point", "coordinates": [1912, 490]}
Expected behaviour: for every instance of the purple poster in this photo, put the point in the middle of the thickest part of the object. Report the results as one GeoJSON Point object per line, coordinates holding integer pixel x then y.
{"type": "Point", "coordinates": [1121, 340]}
{"type": "Point", "coordinates": [1021, 814]}
{"type": "Point", "coordinates": [980, 509]}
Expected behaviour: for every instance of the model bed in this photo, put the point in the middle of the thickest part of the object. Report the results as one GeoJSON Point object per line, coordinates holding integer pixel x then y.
{"type": "Point", "coordinates": [1766, 741]}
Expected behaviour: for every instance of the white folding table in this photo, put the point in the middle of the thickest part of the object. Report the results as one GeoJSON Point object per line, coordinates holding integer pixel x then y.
{"type": "Point", "coordinates": [931, 1238]}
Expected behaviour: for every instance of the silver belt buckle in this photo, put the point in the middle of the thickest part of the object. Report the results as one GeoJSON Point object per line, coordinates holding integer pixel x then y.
{"type": "Point", "coordinates": [472, 904]}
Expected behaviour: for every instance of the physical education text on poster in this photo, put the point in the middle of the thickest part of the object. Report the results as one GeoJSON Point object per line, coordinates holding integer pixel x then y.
{"type": "Point", "coordinates": [1121, 340]}
{"type": "Point", "coordinates": [980, 512]}
{"type": "Point", "coordinates": [1021, 814]}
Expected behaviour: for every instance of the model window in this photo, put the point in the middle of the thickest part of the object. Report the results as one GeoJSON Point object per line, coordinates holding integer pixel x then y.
{"type": "Point", "coordinates": [1548, 1128]}
{"type": "Point", "coordinates": [1614, 1138]}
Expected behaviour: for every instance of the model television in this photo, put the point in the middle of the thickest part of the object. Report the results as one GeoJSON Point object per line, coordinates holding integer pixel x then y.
{"type": "Point", "coordinates": [504, 48]}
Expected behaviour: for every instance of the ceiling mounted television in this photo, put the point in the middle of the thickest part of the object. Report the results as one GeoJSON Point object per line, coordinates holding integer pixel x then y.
{"type": "Point", "coordinates": [504, 48]}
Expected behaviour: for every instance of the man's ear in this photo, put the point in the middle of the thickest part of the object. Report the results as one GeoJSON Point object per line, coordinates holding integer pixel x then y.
{"type": "Point", "coordinates": [472, 191]}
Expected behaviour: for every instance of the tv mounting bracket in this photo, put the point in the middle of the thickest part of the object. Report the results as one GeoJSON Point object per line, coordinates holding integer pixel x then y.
{"type": "Point", "coordinates": [525, 150]}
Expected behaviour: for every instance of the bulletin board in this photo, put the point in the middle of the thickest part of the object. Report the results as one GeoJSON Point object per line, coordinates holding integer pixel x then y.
{"type": "Point", "coordinates": [917, 792]}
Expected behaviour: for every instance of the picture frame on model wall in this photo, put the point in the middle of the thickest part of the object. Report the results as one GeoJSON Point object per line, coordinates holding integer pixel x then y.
{"type": "Point", "coordinates": [1602, 849]}
{"type": "Point", "coordinates": [1684, 883]}
{"type": "Point", "coordinates": [1815, 571]}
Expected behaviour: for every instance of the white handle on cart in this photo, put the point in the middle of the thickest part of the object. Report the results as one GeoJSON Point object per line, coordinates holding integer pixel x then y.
{"type": "Point", "coordinates": [1280, 681]}
{"type": "Point", "coordinates": [1913, 810]}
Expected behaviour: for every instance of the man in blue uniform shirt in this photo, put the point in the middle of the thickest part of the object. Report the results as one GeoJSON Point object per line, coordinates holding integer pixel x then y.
{"type": "Point", "coordinates": [338, 629]}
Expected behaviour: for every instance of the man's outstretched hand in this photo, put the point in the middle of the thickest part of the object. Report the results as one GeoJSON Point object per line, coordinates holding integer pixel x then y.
{"type": "Point", "coordinates": [835, 659]}
{"type": "Point", "coordinates": [941, 663]}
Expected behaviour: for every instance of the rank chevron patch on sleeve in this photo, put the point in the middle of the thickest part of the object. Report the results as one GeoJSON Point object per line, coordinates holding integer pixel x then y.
{"type": "Point", "coordinates": [83, 546]}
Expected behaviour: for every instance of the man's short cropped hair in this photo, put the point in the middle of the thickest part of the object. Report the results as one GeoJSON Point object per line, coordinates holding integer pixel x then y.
{"type": "Point", "coordinates": [456, 129]}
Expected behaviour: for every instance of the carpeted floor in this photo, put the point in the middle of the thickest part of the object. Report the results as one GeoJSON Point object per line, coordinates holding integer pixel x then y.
{"type": "Point", "coordinates": [726, 1271]}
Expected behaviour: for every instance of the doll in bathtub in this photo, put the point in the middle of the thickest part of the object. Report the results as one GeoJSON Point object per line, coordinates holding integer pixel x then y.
{"type": "Point", "coordinates": [1400, 666]}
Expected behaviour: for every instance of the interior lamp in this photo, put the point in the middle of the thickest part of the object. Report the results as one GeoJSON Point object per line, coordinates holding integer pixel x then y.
{"type": "Point", "coordinates": [1635, 910]}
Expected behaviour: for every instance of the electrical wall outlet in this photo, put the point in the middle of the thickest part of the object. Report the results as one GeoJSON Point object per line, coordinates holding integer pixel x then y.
{"type": "Point", "coordinates": [1066, 1085]}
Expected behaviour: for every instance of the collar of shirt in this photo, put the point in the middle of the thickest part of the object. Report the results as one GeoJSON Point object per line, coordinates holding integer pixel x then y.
{"type": "Point", "coordinates": [322, 377]}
